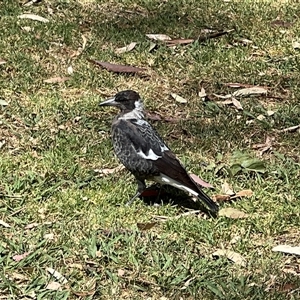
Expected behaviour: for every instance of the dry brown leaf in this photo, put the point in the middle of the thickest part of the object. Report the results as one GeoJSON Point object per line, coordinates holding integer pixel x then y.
{"type": "Point", "coordinates": [19, 257]}
{"type": "Point", "coordinates": [84, 294]}
{"type": "Point", "coordinates": [115, 68]}
{"type": "Point", "coordinates": [158, 37]}
{"type": "Point", "coordinates": [153, 116]}
{"type": "Point", "coordinates": [127, 48]}
{"type": "Point", "coordinates": [250, 91]}
{"type": "Point", "coordinates": [231, 255]}
{"type": "Point", "coordinates": [107, 171]}
{"type": "Point", "coordinates": [232, 213]}
{"type": "Point", "coordinates": [264, 147]}
{"type": "Point", "coordinates": [287, 249]}
{"type": "Point", "coordinates": [2, 61]}
{"type": "Point", "coordinates": [54, 286]}
{"type": "Point", "coordinates": [227, 189]}
{"type": "Point", "coordinates": [145, 226]}
{"type": "Point", "coordinates": [200, 181]}
{"type": "Point", "coordinates": [4, 224]}
{"type": "Point", "coordinates": [56, 79]}
{"type": "Point", "coordinates": [221, 198]}
{"type": "Point", "coordinates": [270, 113]}
{"type": "Point", "coordinates": [178, 98]}
{"type": "Point", "coordinates": [290, 129]}
{"type": "Point", "coordinates": [281, 23]}
{"type": "Point", "coordinates": [33, 17]}
{"type": "Point", "coordinates": [243, 193]}
{"type": "Point", "coordinates": [175, 42]}
{"type": "Point", "coordinates": [237, 104]}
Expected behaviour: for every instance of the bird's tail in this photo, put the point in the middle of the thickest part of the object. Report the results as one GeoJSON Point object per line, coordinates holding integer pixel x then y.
{"type": "Point", "coordinates": [213, 206]}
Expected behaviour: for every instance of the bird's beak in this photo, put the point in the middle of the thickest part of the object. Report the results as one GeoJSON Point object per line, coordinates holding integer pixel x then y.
{"type": "Point", "coordinates": [109, 102]}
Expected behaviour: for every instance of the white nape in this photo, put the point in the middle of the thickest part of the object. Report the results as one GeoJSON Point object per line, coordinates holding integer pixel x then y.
{"type": "Point", "coordinates": [137, 113]}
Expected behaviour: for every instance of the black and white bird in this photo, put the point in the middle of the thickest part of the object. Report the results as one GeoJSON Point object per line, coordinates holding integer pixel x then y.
{"type": "Point", "coordinates": [143, 152]}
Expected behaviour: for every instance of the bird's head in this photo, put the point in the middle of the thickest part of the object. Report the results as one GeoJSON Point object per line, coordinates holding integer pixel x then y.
{"type": "Point", "coordinates": [126, 100]}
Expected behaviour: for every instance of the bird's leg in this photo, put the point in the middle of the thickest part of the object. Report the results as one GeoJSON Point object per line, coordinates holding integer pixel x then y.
{"type": "Point", "coordinates": [159, 192]}
{"type": "Point", "coordinates": [141, 188]}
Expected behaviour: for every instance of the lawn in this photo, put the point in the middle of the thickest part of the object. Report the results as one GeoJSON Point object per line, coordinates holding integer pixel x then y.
{"type": "Point", "coordinates": [65, 230]}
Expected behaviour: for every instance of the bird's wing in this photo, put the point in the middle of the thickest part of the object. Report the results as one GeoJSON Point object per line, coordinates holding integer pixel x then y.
{"type": "Point", "coordinates": [149, 155]}
{"type": "Point", "coordinates": [150, 146]}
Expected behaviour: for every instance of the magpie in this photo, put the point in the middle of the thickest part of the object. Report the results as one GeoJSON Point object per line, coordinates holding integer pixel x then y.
{"type": "Point", "coordinates": [143, 152]}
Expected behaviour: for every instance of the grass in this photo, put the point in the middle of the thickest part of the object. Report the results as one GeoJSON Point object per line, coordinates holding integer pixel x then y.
{"type": "Point", "coordinates": [73, 219]}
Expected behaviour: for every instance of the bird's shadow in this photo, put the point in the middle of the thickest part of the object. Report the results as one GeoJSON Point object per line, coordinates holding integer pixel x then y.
{"type": "Point", "coordinates": [157, 194]}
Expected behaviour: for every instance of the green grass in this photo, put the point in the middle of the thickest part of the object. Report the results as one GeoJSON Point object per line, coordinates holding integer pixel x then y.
{"type": "Point", "coordinates": [56, 136]}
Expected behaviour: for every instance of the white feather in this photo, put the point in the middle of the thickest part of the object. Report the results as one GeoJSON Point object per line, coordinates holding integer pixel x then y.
{"type": "Point", "coordinates": [136, 113]}
{"type": "Point", "coordinates": [164, 179]}
{"type": "Point", "coordinates": [151, 155]}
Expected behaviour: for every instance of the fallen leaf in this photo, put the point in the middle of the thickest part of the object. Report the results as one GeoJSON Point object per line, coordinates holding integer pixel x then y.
{"type": "Point", "coordinates": [175, 42]}
{"type": "Point", "coordinates": [270, 113]}
{"type": "Point", "coordinates": [243, 85]}
{"type": "Point", "coordinates": [4, 224]}
{"type": "Point", "coordinates": [127, 48]}
{"type": "Point", "coordinates": [56, 79]}
{"type": "Point", "coordinates": [107, 171]}
{"type": "Point", "coordinates": [70, 70]}
{"type": "Point", "coordinates": [296, 45]}
{"type": "Point", "coordinates": [117, 68]}
{"type": "Point", "coordinates": [266, 146]}
{"type": "Point", "coordinates": [232, 213]}
{"type": "Point", "coordinates": [231, 255]}
{"type": "Point", "coordinates": [243, 41]}
{"type": "Point", "coordinates": [200, 181]}
{"type": "Point", "coordinates": [85, 293]}
{"type": "Point", "coordinates": [152, 47]}
{"type": "Point", "coordinates": [49, 236]}
{"type": "Point", "coordinates": [53, 285]}
{"type": "Point", "coordinates": [18, 276]}
{"type": "Point", "coordinates": [290, 129]}
{"type": "Point", "coordinates": [27, 28]}
{"type": "Point", "coordinates": [287, 249]}
{"type": "Point", "coordinates": [158, 37]}
{"type": "Point", "coordinates": [3, 102]}
{"type": "Point", "coordinates": [153, 116]}
{"type": "Point", "coordinates": [57, 275]}
{"type": "Point", "coordinates": [250, 91]}
{"type": "Point", "coordinates": [227, 189]}
{"type": "Point", "coordinates": [224, 97]}
{"type": "Point", "coordinates": [121, 272]}
{"type": "Point", "coordinates": [178, 98]}
{"type": "Point", "coordinates": [19, 257]}
{"type": "Point", "coordinates": [202, 93]}
{"type": "Point", "coordinates": [2, 61]}
{"type": "Point", "coordinates": [260, 117]}
{"type": "Point", "coordinates": [33, 17]}
{"type": "Point", "coordinates": [237, 104]}
{"type": "Point", "coordinates": [243, 193]}
{"type": "Point", "coordinates": [281, 23]}
{"type": "Point", "coordinates": [145, 226]}
{"type": "Point", "coordinates": [221, 198]}
{"type": "Point", "coordinates": [186, 284]}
